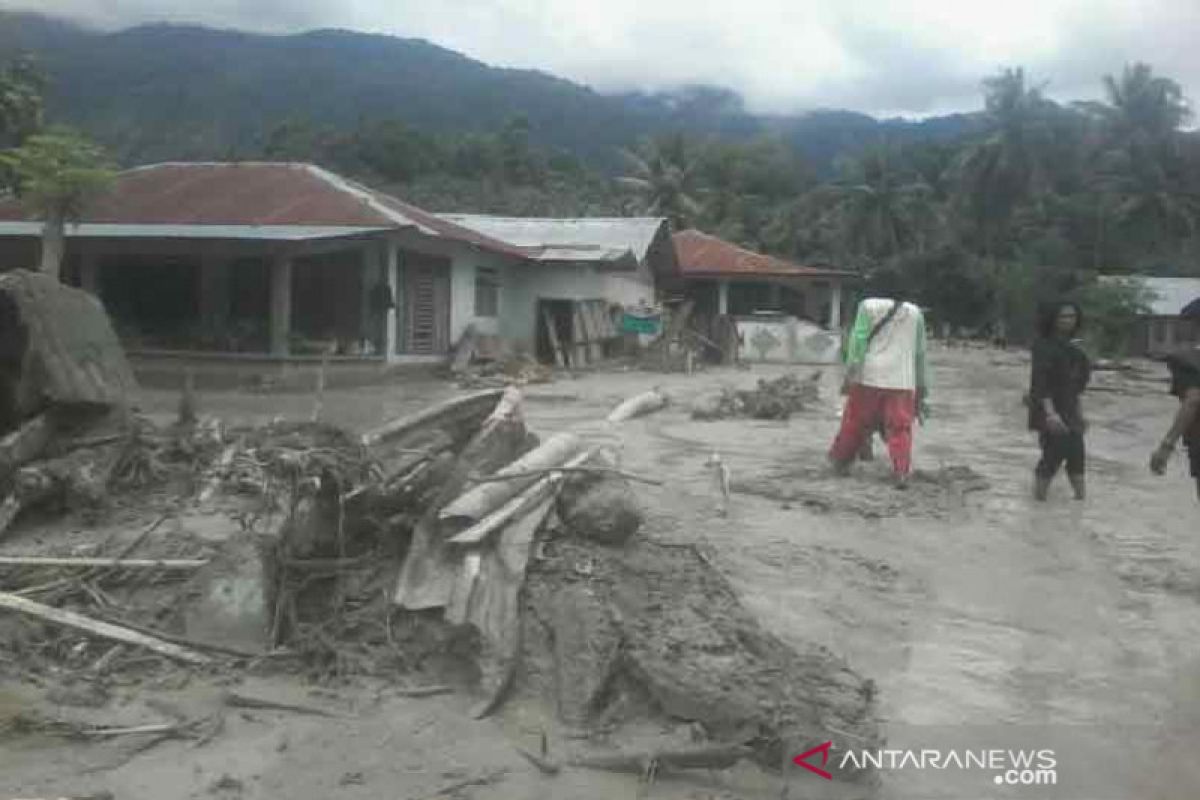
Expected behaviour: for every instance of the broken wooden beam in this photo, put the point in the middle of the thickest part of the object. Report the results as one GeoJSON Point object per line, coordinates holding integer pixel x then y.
{"type": "Point", "coordinates": [102, 563]}
{"type": "Point", "coordinates": [474, 405]}
{"type": "Point", "coordinates": [104, 630]}
{"type": "Point", "coordinates": [25, 444]}
{"type": "Point", "coordinates": [639, 405]}
{"type": "Point", "coordinates": [479, 501]}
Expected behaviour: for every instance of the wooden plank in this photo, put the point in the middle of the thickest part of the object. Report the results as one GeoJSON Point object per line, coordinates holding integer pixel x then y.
{"type": "Point", "coordinates": [560, 355]}
{"type": "Point", "coordinates": [105, 630]}
{"type": "Point", "coordinates": [578, 337]}
{"type": "Point", "coordinates": [113, 563]}
{"type": "Point", "coordinates": [591, 325]}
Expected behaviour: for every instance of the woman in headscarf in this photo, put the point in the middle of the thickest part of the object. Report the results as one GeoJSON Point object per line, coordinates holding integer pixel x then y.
{"type": "Point", "coordinates": [1060, 374]}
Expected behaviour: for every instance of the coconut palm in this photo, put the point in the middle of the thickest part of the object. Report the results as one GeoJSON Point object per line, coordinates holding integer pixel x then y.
{"type": "Point", "coordinates": [1011, 163]}
{"type": "Point", "coordinates": [881, 210]}
{"type": "Point", "coordinates": [1142, 108]}
{"type": "Point", "coordinates": [662, 175]}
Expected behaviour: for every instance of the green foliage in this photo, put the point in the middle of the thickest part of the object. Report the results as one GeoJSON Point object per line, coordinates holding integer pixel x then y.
{"type": "Point", "coordinates": [21, 87]}
{"type": "Point", "coordinates": [57, 171]}
{"type": "Point", "coordinates": [1112, 309]}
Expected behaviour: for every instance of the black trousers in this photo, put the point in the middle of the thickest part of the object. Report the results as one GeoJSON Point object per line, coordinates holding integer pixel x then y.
{"type": "Point", "coordinates": [1060, 447]}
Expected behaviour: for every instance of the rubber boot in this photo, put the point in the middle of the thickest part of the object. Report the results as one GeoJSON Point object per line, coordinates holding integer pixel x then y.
{"type": "Point", "coordinates": [1041, 488]}
{"type": "Point", "coordinates": [1079, 486]}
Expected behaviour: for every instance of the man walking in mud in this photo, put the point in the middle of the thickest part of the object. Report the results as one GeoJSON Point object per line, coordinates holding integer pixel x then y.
{"type": "Point", "coordinates": [1185, 385]}
{"type": "Point", "coordinates": [886, 383]}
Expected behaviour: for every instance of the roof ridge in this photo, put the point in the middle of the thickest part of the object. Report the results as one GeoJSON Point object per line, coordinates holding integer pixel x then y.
{"type": "Point", "coordinates": [366, 195]}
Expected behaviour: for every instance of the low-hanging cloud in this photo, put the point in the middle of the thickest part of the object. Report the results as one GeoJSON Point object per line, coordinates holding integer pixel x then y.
{"type": "Point", "coordinates": [879, 56]}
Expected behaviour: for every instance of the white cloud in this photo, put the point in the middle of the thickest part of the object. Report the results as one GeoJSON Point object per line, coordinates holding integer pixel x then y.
{"type": "Point", "coordinates": [889, 56]}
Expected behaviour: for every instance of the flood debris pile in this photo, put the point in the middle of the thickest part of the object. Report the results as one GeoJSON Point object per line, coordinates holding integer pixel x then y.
{"type": "Point", "coordinates": [769, 399]}
{"type": "Point", "coordinates": [451, 542]}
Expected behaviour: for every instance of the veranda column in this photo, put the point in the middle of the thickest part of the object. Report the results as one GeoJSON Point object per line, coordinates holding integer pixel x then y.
{"type": "Point", "coordinates": [281, 304]}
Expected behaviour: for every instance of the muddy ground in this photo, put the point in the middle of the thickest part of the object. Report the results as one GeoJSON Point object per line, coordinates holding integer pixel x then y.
{"type": "Point", "coordinates": [976, 611]}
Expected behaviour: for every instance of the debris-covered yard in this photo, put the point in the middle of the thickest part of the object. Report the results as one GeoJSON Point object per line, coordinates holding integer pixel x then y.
{"type": "Point", "coordinates": [507, 594]}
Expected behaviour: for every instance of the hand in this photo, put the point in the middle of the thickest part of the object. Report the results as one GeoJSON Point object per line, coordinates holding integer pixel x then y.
{"type": "Point", "coordinates": [1055, 424]}
{"type": "Point", "coordinates": [1159, 459]}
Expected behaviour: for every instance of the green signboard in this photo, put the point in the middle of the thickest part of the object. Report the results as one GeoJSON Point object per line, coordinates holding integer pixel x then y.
{"type": "Point", "coordinates": [635, 324]}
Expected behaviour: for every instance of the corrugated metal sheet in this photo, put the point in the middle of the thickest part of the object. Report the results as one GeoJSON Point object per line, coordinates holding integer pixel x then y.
{"type": "Point", "coordinates": [260, 232]}
{"type": "Point", "coordinates": [247, 197]}
{"type": "Point", "coordinates": [1168, 296]}
{"type": "Point", "coordinates": [700, 254]}
{"type": "Point", "coordinates": [73, 354]}
{"type": "Point", "coordinates": [575, 239]}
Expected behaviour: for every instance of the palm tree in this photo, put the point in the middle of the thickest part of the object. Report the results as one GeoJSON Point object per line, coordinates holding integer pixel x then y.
{"type": "Point", "coordinates": [881, 211]}
{"type": "Point", "coordinates": [1011, 163]}
{"type": "Point", "coordinates": [662, 174]}
{"type": "Point", "coordinates": [1142, 108]}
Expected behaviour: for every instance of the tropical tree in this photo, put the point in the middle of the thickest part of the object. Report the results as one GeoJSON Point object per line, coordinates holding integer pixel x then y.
{"type": "Point", "coordinates": [1010, 163]}
{"type": "Point", "coordinates": [21, 86]}
{"type": "Point", "coordinates": [662, 173]}
{"type": "Point", "coordinates": [882, 210]}
{"type": "Point", "coordinates": [1142, 109]}
{"type": "Point", "coordinates": [56, 173]}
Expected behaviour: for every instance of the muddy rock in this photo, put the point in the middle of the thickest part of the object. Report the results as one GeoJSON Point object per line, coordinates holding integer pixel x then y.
{"type": "Point", "coordinates": [665, 635]}
{"type": "Point", "coordinates": [602, 509]}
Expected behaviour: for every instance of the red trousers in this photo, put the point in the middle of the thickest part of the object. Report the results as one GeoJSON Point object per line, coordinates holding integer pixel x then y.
{"type": "Point", "coordinates": [868, 408]}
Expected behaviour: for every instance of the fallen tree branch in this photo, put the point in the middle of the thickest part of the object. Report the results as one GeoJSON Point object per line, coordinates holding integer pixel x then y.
{"type": "Point", "coordinates": [547, 766]}
{"type": "Point", "coordinates": [425, 691]}
{"type": "Point", "coordinates": [104, 563]}
{"type": "Point", "coordinates": [431, 415]}
{"type": "Point", "coordinates": [566, 468]}
{"type": "Point", "coordinates": [636, 406]}
{"type": "Point", "coordinates": [479, 501]}
{"type": "Point", "coordinates": [104, 630]}
{"type": "Point", "coordinates": [706, 757]}
{"type": "Point", "coordinates": [523, 503]}
{"type": "Point", "coordinates": [235, 700]}
{"type": "Point", "coordinates": [166, 727]}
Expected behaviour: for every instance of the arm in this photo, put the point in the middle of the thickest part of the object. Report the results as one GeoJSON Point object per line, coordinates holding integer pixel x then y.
{"type": "Point", "coordinates": [1189, 409]}
{"type": "Point", "coordinates": [919, 352]}
{"type": "Point", "coordinates": [856, 346]}
{"type": "Point", "coordinates": [1040, 381]}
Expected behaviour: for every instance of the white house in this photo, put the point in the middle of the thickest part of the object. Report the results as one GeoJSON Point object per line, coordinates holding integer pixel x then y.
{"type": "Point", "coordinates": [285, 260]}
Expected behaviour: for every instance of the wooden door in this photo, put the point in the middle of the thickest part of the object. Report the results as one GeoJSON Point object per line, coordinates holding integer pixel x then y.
{"type": "Point", "coordinates": [426, 306]}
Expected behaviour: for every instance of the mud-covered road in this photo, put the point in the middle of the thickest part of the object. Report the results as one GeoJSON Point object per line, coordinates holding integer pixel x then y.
{"type": "Point", "coordinates": [985, 619]}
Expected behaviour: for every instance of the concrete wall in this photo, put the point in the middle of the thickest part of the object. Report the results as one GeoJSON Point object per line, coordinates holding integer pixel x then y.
{"type": "Point", "coordinates": [526, 284]}
{"type": "Point", "coordinates": [462, 291]}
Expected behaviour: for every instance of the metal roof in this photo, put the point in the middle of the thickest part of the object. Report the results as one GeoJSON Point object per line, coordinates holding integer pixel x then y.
{"type": "Point", "coordinates": [702, 255]}
{"type": "Point", "coordinates": [244, 198]}
{"type": "Point", "coordinates": [603, 239]}
{"type": "Point", "coordinates": [1168, 296]}
{"type": "Point", "coordinates": [278, 233]}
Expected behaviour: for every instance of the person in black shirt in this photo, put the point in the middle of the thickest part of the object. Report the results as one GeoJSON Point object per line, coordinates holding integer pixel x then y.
{"type": "Point", "coordinates": [1185, 384]}
{"type": "Point", "coordinates": [1059, 375]}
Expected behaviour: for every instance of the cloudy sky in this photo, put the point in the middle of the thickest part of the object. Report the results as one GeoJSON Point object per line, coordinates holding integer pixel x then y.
{"type": "Point", "coordinates": [910, 57]}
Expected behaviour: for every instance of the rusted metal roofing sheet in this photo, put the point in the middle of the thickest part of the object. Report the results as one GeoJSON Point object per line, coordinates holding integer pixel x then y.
{"type": "Point", "coordinates": [700, 255]}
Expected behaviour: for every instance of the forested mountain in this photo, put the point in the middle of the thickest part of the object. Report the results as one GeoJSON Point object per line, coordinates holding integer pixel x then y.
{"type": "Point", "coordinates": [161, 91]}
{"type": "Point", "coordinates": [975, 216]}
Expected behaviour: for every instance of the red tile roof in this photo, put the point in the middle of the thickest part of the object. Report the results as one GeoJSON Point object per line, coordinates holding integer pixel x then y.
{"type": "Point", "coordinates": [702, 255]}
{"type": "Point", "coordinates": [257, 194]}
